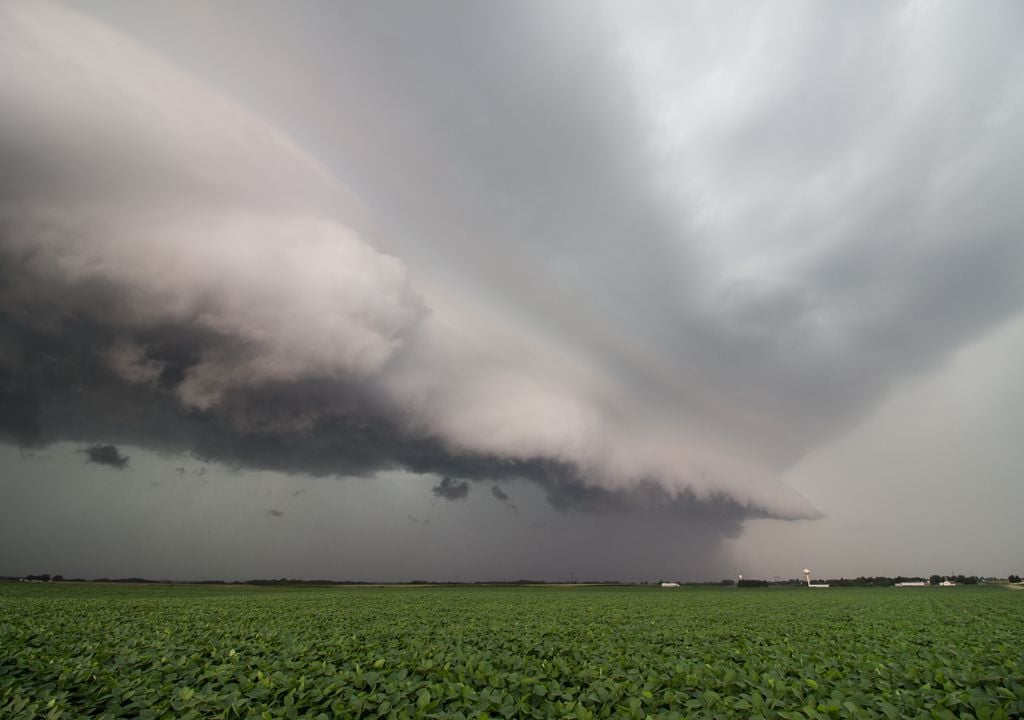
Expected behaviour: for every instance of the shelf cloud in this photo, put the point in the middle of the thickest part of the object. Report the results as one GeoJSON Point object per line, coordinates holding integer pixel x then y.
{"type": "Point", "coordinates": [628, 262]}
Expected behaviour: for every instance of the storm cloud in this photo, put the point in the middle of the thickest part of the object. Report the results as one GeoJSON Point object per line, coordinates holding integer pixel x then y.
{"type": "Point", "coordinates": [613, 253]}
{"type": "Point", "coordinates": [106, 454]}
{"type": "Point", "coordinates": [502, 497]}
{"type": "Point", "coordinates": [449, 489]}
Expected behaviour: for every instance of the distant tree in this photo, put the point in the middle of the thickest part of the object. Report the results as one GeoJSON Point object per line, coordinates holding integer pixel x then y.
{"type": "Point", "coordinates": [745, 582]}
{"type": "Point", "coordinates": [1014, 578]}
{"type": "Point", "coordinates": [935, 579]}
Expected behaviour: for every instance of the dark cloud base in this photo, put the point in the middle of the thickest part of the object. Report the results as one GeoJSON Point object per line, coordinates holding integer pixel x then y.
{"type": "Point", "coordinates": [55, 386]}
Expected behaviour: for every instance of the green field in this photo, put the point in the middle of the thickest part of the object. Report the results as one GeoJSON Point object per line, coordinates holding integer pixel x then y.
{"type": "Point", "coordinates": [70, 650]}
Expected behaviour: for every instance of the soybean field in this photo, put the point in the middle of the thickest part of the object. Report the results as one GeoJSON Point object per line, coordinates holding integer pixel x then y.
{"type": "Point", "coordinates": [71, 650]}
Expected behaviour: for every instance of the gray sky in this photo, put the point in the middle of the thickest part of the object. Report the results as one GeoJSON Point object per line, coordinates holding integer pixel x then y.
{"type": "Point", "coordinates": [510, 291]}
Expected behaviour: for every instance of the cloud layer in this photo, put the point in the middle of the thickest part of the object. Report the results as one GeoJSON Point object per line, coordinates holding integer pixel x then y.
{"type": "Point", "coordinates": [634, 262]}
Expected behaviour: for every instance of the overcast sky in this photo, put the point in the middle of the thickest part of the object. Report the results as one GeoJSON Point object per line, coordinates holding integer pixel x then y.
{"type": "Point", "coordinates": [476, 291]}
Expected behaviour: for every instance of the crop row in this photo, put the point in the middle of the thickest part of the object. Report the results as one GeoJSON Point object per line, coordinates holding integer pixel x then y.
{"type": "Point", "coordinates": [181, 652]}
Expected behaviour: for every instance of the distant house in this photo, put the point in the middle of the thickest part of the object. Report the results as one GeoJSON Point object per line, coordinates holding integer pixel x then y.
{"type": "Point", "coordinates": [921, 583]}
{"type": "Point", "coordinates": [947, 583]}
